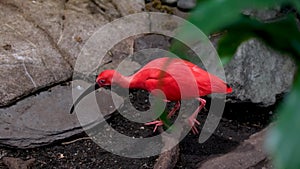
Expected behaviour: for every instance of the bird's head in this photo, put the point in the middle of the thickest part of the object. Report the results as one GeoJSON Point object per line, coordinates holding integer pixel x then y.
{"type": "Point", "coordinates": [104, 79]}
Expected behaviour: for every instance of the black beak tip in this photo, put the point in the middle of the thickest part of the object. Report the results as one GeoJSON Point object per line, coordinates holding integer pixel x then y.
{"type": "Point", "coordinates": [72, 109]}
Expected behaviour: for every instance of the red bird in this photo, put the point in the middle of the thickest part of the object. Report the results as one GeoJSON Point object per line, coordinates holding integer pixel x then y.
{"type": "Point", "coordinates": [176, 78]}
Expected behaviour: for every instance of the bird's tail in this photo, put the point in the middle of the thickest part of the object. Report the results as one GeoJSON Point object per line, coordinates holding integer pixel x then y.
{"type": "Point", "coordinates": [219, 86]}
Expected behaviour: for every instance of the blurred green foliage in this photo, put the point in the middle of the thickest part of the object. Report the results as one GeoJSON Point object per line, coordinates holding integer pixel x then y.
{"type": "Point", "coordinates": [226, 16]}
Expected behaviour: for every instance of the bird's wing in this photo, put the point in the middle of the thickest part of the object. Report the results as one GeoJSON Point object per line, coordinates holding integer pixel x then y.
{"type": "Point", "coordinates": [207, 82]}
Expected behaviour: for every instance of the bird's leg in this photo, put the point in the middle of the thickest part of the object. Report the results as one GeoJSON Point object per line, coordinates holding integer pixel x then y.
{"type": "Point", "coordinates": [171, 113]}
{"type": "Point", "coordinates": [175, 108]}
{"type": "Point", "coordinates": [160, 122]}
{"type": "Point", "coordinates": [157, 124]}
{"type": "Point", "coordinates": [192, 119]}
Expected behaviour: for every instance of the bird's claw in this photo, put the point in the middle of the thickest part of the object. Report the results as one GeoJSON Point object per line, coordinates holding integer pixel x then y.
{"type": "Point", "coordinates": [193, 122]}
{"type": "Point", "coordinates": [157, 124]}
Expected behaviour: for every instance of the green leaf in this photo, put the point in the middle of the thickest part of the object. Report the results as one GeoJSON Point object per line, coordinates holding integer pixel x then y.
{"type": "Point", "coordinates": [282, 35]}
{"type": "Point", "coordinates": [225, 59]}
{"type": "Point", "coordinates": [284, 139]}
{"type": "Point", "coordinates": [213, 15]}
{"type": "Point", "coordinates": [296, 4]}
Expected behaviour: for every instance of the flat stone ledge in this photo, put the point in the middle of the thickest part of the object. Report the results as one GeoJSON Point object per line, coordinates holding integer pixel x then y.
{"type": "Point", "coordinates": [249, 154]}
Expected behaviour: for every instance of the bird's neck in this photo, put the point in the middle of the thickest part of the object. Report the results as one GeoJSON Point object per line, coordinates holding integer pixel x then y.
{"type": "Point", "coordinates": [121, 80]}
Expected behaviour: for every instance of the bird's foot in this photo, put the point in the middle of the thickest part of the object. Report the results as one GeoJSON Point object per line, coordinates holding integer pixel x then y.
{"type": "Point", "coordinates": [193, 122]}
{"type": "Point", "coordinates": [157, 124]}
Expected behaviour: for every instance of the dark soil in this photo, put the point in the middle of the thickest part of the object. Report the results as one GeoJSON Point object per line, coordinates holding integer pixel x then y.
{"type": "Point", "coordinates": [238, 123]}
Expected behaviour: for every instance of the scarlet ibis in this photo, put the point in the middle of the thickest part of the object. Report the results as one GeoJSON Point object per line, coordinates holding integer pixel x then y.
{"type": "Point", "coordinates": [174, 77]}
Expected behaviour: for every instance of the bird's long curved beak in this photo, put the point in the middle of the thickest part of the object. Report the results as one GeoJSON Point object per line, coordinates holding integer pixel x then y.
{"type": "Point", "coordinates": [83, 94]}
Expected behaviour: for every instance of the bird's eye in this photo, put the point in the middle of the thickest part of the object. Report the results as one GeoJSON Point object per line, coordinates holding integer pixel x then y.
{"type": "Point", "coordinates": [102, 81]}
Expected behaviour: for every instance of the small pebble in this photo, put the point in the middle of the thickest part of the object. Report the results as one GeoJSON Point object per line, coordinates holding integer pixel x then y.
{"type": "Point", "coordinates": [60, 155]}
{"type": "Point", "coordinates": [186, 4]}
{"type": "Point", "coordinates": [169, 2]}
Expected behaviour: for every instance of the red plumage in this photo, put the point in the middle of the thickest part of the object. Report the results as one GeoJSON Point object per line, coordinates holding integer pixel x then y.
{"type": "Point", "coordinates": [177, 78]}
{"type": "Point", "coordinates": [168, 74]}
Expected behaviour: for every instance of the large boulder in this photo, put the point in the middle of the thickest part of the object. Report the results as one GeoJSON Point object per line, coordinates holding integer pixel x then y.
{"type": "Point", "coordinates": [258, 73]}
{"type": "Point", "coordinates": [248, 154]}
{"type": "Point", "coordinates": [28, 61]}
{"type": "Point", "coordinates": [40, 42]}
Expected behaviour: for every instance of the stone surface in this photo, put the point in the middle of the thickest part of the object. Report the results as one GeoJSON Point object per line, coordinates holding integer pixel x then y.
{"type": "Point", "coordinates": [78, 26]}
{"type": "Point", "coordinates": [169, 2]}
{"type": "Point", "coordinates": [186, 4]}
{"type": "Point", "coordinates": [168, 159]}
{"type": "Point", "coordinates": [258, 74]}
{"type": "Point", "coordinates": [250, 153]}
{"type": "Point", "coordinates": [44, 118]}
{"type": "Point", "coordinates": [129, 6]}
{"type": "Point", "coordinates": [45, 52]}
{"type": "Point", "coordinates": [28, 59]}
{"type": "Point", "coordinates": [152, 41]}
{"type": "Point", "coordinates": [68, 24]}
{"type": "Point", "coordinates": [117, 54]}
{"type": "Point", "coordinates": [263, 14]}
{"type": "Point", "coordinates": [17, 163]}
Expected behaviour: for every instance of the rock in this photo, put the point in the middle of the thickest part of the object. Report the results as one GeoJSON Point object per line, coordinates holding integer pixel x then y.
{"type": "Point", "coordinates": [42, 119]}
{"type": "Point", "coordinates": [259, 74]}
{"type": "Point", "coordinates": [78, 23]}
{"type": "Point", "coordinates": [169, 2]}
{"type": "Point", "coordinates": [117, 54]}
{"type": "Point", "coordinates": [45, 52]}
{"type": "Point", "coordinates": [2, 154]}
{"type": "Point", "coordinates": [29, 61]}
{"type": "Point", "coordinates": [263, 14]}
{"type": "Point", "coordinates": [129, 6]}
{"type": "Point", "coordinates": [112, 60]}
{"type": "Point", "coordinates": [248, 154]}
{"type": "Point", "coordinates": [17, 163]}
{"type": "Point", "coordinates": [186, 4]}
{"type": "Point", "coordinates": [109, 36]}
{"type": "Point", "coordinates": [168, 159]}
{"type": "Point", "coordinates": [152, 41]}
{"type": "Point", "coordinates": [68, 24]}
{"type": "Point", "coordinates": [150, 47]}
